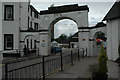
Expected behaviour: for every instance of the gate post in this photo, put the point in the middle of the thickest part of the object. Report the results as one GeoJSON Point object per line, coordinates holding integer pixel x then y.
{"type": "Point", "coordinates": [44, 45]}
{"type": "Point", "coordinates": [71, 57]}
{"type": "Point", "coordinates": [61, 62]}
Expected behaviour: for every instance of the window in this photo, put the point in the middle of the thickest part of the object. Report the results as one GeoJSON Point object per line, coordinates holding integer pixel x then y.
{"type": "Point", "coordinates": [36, 26]}
{"type": "Point", "coordinates": [31, 43]}
{"type": "Point", "coordinates": [35, 14]}
{"type": "Point", "coordinates": [28, 21]}
{"type": "Point", "coordinates": [35, 44]}
{"type": "Point", "coordinates": [31, 13]}
{"type": "Point", "coordinates": [8, 12]}
{"type": "Point", "coordinates": [8, 41]}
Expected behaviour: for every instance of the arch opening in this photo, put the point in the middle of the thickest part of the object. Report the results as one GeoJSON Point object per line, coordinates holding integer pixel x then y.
{"type": "Point", "coordinates": [99, 38]}
{"type": "Point", "coordinates": [31, 42]}
{"type": "Point", "coordinates": [65, 27]}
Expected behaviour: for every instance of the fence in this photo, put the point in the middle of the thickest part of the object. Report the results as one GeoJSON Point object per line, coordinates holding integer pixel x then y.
{"type": "Point", "coordinates": [43, 68]}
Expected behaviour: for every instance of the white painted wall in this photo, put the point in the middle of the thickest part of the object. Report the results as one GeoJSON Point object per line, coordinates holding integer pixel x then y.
{"type": "Point", "coordinates": [119, 29]}
{"type": "Point", "coordinates": [109, 41]}
{"type": "Point", "coordinates": [1, 48]}
{"type": "Point", "coordinates": [113, 40]}
{"type": "Point", "coordinates": [11, 27]}
{"type": "Point", "coordinates": [23, 13]}
{"type": "Point", "coordinates": [80, 17]}
{"type": "Point", "coordinates": [84, 43]}
{"type": "Point", "coordinates": [44, 43]}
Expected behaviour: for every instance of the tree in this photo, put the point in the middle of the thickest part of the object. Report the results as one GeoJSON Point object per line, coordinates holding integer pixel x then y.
{"type": "Point", "coordinates": [63, 36]}
{"type": "Point", "coordinates": [102, 64]}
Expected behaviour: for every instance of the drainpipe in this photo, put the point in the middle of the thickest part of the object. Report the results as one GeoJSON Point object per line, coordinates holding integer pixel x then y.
{"type": "Point", "coordinates": [19, 24]}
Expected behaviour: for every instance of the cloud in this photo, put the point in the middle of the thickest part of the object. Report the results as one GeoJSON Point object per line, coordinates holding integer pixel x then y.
{"type": "Point", "coordinates": [97, 12]}
{"type": "Point", "coordinates": [65, 26]}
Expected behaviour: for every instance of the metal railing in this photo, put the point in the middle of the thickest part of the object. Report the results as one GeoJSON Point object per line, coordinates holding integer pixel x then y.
{"type": "Point", "coordinates": [43, 68]}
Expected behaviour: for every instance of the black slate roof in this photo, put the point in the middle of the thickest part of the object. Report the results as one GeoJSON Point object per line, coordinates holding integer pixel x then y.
{"type": "Point", "coordinates": [33, 9]}
{"type": "Point", "coordinates": [64, 8]}
{"type": "Point", "coordinates": [98, 25]}
{"type": "Point", "coordinates": [114, 12]}
{"type": "Point", "coordinates": [75, 35]}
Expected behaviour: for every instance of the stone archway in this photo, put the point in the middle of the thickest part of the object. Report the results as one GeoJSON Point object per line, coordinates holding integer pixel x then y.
{"type": "Point", "coordinates": [78, 14]}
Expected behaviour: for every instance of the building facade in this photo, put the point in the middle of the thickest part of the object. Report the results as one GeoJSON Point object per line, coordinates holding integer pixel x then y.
{"type": "Point", "coordinates": [19, 25]}
{"type": "Point", "coordinates": [113, 30]}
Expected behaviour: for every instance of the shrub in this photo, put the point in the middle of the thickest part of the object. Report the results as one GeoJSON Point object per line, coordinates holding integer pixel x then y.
{"type": "Point", "coordinates": [99, 71]}
{"type": "Point", "coordinates": [119, 49]}
{"type": "Point", "coordinates": [102, 61]}
{"type": "Point", "coordinates": [118, 59]}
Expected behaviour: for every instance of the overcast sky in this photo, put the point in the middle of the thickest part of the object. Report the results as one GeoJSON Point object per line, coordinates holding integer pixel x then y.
{"type": "Point", "coordinates": [97, 11]}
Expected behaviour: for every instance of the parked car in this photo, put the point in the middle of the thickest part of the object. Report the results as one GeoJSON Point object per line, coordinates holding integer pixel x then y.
{"type": "Point", "coordinates": [56, 50]}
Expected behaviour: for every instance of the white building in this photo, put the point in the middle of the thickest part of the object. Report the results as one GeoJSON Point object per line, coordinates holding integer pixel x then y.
{"type": "Point", "coordinates": [19, 26]}
{"type": "Point", "coordinates": [113, 31]}
{"type": "Point", "coordinates": [14, 17]}
{"type": "Point", "coordinates": [30, 36]}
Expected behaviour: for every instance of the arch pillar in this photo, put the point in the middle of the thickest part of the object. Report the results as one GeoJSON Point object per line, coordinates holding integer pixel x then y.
{"type": "Point", "coordinates": [84, 35]}
{"type": "Point", "coordinates": [44, 48]}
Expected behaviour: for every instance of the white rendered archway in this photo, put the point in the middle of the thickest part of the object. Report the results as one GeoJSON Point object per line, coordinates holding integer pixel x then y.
{"type": "Point", "coordinates": [79, 14]}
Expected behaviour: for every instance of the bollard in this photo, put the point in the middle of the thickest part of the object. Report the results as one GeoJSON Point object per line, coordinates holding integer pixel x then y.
{"type": "Point", "coordinates": [71, 58]}
{"type": "Point", "coordinates": [61, 62]}
{"type": "Point", "coordinates": [43, 67]}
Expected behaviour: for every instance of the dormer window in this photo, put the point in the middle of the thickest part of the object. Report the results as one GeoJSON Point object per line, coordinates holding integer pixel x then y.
{"type": "Point", "coordinates": [8, 12]}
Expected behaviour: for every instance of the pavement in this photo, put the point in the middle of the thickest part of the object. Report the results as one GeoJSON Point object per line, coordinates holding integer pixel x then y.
{"type": "Point", "coordinates": [80, 70]}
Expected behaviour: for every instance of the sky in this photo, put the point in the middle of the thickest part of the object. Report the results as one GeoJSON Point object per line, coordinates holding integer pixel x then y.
{"type": "Point", "coordinates": [97, 11]}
